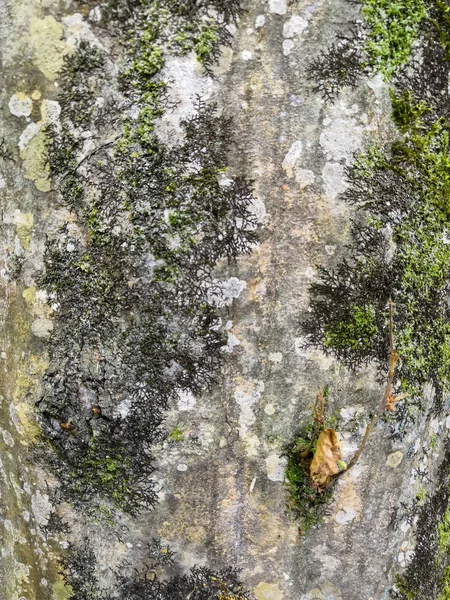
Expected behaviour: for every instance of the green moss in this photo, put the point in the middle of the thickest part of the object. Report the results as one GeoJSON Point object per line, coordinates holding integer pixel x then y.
{"type": "Point", "coordinates": [349, 305]}
{"type": "Point", "coordinates": [392, 29]}
{"type": "Point", "coordinates": [407, 114]}
{"type": "Point", "coordinates": [206, 42]}
{"type": "Point", "coordinates": [177, 434]}
{"type": "Point", "coordinates": [304, 503]}
{"type": "Point", "coordinates": [358, 330]}
{"type": "Point", "coordinates": [442, 24]}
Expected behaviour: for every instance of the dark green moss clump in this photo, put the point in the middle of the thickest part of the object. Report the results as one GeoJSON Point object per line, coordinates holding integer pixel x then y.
{"type": "Point", "coordinates": [400, 250]}
{"type": "Point", "coordinates": [400, 246]}
{"type": "Point", "coordinates": [131, 277]}
{"type": "Point", "coordinates": [304, 503]}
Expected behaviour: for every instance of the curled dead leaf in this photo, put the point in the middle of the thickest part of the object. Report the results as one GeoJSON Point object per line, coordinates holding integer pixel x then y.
{"type": "Point", "coordinates": [325, 461]}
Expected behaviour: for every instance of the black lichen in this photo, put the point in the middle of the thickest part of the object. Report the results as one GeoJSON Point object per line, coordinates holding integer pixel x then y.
{"type": "Point", "coordinates": [428, 574]}
{"type": "Point", "coordinates": [79, 570]}
{"type": "Point", "coordinates": [131, 277]}
{"type": "Point", "coordinates": [399, 246]}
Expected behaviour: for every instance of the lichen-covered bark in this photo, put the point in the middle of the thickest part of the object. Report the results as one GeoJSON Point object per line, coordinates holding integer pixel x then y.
{"type": "Point", "coordinates": [220, 471]}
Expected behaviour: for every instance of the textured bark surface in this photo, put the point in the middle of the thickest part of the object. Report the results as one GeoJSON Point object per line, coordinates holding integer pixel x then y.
{"type": "Point", "coordinates": [222, 499]}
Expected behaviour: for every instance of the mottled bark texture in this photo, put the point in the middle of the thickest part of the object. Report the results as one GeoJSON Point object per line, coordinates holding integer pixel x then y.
{"type": "Point", "coordinates": [171, 179]}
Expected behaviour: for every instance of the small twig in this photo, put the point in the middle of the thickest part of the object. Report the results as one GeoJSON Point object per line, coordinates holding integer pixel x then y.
{"type": "Point", "coordinates": [393, 359]}
{"type": "Point", "coordinates": [318, 418]}
{"type": "Point", "coordinates": [90, 155]}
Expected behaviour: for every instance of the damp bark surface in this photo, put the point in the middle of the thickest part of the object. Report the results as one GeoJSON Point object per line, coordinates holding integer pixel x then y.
{"type": "Point", "coordinates": [222, 501]}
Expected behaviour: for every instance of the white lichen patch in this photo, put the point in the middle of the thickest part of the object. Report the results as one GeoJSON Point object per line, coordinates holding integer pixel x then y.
{"type": "Point", "coordinates": [304, 177]}
{"type": "Point", "coordinates": [42, 328]}
{"type": "Point", "coordinates": [295, 26]}
{"type": "Point", "coordinates": [329, 563]}
{"type": "Point", "coordinates": [186, 400]}
{"type": "Point", "coordinates": [77, 29]}
{"type": "Point", "coordinates": [41, 507]}
{"type": "Point", "coordinates": [224, 292]}
{"type": "Point", "coordinates": [341, 139]}
{"type": "Point", "coordinates": [50, 111]}
{"type": "Point", "coordinates": [28, 134]}
{"type": "Point", "coordinates": [188, 82]}
{"type": "Point", "coordinates": [276, 467]}
{"type": "Point", "coordinates": [260, 21]}
{"type": "Point", "coordinates": [20, 105]}
{"type": "Point", "coordinates": [333, 175]}
{"type": "Point", "coordinates": [293, 29]}
{"type": "Point", "coordinates": [258, 209]}
{"type": "Point", "coordinates": [247, 395]}
{"type": "Point", "coordinates": [7, 438]}
{"type": "Point", "coordinates": [278, 7]}
{"type": "Point", "coordinates": [275, 357]}
{"type": "Point", "coordinates": [292, 157]}
{"type": "Point", "coordinates": [232, 342]}
{"type": "Point", "coordinates": [405, 555]}
{"type": "Point", "coordinates": [247, 417]}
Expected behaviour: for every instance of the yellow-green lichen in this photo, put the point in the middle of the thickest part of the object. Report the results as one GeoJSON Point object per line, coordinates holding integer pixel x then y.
{"type": "Point", "coordinates": [35, 163]}
{"type": "Point", "coordinates": [24, 226]}
{"type": "Point", "coordinates": [48, 47]}
{"type": "Point", "coordinates": [29, 294]}
{"type": "Point", "coordinates": [61, 591]}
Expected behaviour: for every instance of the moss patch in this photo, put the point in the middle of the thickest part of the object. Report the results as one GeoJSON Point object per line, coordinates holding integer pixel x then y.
{"type": "Point", "coordinates": [305, 503]}
{"type": "Point", "coordinates": [402, 193]}
{"type": "Point", "coordinates": [392, 28]}
{"type": "Point", "coordinates": [383, 41]}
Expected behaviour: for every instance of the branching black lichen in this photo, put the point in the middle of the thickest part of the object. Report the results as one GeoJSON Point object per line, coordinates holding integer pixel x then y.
{"type": "Point", "coordinates": [428, 574]}
{"type": "Point", "coordinates": [78, 568]}
{"type": "Point", "coordinates": [131, 276]}
{"type": "Point", "coordinates": [339, 66]}
{"type": "Point", "coordinates": [6, 154]}
{"type": "Point", "coordinates": [383, 40]}
{"type": "Point", "coordinates": [400, 250]}
{"type": "Point", "coordinates": [79, 572]}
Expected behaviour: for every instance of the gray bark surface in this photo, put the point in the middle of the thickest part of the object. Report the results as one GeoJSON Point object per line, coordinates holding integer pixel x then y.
{"type": "Point", "coordinates": [222, 498]}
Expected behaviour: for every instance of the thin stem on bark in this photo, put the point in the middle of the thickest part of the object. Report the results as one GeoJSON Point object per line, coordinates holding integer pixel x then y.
{"type": "Point", "coordinates": [386, 401]}
{"type": "Point", "coordinates": [319, 408]}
